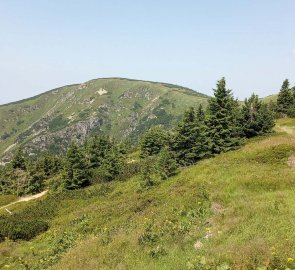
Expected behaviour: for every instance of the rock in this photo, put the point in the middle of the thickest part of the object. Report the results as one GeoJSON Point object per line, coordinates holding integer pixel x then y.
{"type": "Point", "coordinates": [101, 91]}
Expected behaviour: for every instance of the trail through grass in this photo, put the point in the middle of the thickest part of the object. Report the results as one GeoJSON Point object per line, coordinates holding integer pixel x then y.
{"type": "Point", "coordinates": [26, 199]}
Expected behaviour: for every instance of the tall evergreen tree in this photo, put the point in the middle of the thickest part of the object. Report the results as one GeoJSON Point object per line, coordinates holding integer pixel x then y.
{"type": "Point", "coordinates": [191, 141]}
{"type": "Point", "coordinates": [97, 149]}
{"type": "Point", "coordinates": [200, 113]}
{"type": "Point", "coordinates": [256, 118]}
{"type": "Point", "coordinates": [285, 98]}
{"type": "Point", "coordinates": [153, 141]}
{"type": "Point", "coordinates": [167, 163]}
{"type": "Point", "coordinates": [112, 165]}
{"type": "Point", "coordinates": [76, 173]}
{"type": "Point", "coordinates": [223, 120]}
{"type": "Point", "coordinates": [19, 161]}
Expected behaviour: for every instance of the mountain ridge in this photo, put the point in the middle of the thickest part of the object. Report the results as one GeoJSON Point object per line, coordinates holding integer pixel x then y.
{"type": "Point", "coordinates": [120, 107]}
{"type": "Point", "coordinates": [103, 78]}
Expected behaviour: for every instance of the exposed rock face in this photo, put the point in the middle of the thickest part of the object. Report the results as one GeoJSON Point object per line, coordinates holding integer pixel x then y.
{"type": "Point", "coordinates": [59, 140]}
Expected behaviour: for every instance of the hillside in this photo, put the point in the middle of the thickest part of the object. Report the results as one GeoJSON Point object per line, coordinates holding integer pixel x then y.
{"type": "Point", "coordinates": [235, 210]}
{"type": "Point", "coordinates": [270, 98]}
{"type": "Point", "coordinates": [119, 107]}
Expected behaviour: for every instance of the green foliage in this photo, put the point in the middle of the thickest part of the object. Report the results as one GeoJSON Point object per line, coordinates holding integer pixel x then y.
{"type": "Point", "coordinates": [191, 142]}
{"type": "Point", "coordinates": [15, 229]}
{"type": "Point", "coordinates": [222, 121]}
{"type": "Point", "coordinates": [167, 163]}
{"type": "Point", "coordinates": [153, 141]}
{"type": "Point", "coordinates": [57, 123]}
{"type": "Point", "coordinates": [285, 98]}
{"type": "Point", "coordinates": [76, 173]}
{"type": "Point", "coordinates": [256, 117]}
{"type": "Point", "coordinates": [19, 161]}
{"type": "Point", "coordinates": [158, 167]}
{"type": "Point", "coordinates": [97, 149]}
{"type": "Point", "coordinates": [149, 172]}
{"type": "Point", "coordinates": [112, 165]}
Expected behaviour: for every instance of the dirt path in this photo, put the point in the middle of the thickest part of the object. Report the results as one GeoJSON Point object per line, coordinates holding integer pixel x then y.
{"type": "Point", "coordinates": [25, 199]}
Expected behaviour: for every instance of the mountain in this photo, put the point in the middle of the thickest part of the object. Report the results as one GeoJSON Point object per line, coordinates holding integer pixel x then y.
{"type": "Point", "coordinates": [121, 108]}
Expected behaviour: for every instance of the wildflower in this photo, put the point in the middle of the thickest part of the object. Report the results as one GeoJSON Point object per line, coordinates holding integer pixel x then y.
{"type": "Point", "coordinates": [290, 260]}
{"type": "Point", "coordinates": [7, 266]}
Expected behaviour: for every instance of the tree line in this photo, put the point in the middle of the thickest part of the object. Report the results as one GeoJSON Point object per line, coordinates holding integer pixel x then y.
{"type": "Point", "coordinates": [202, 133]}
{"type": "Point", "coordinates": [222, 127]}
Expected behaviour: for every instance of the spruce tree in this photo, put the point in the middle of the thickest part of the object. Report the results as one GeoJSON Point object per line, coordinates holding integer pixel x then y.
{"type": "Point", "coordinates": [97, 149]}
{"type": "Point", "coordinates": [285, 98]}
{"type": "Point", "coordinates": [191, 141]}
{"type": "Point", "coordinates": [200, 113]}
{"type": "Point", "coordinates": [265, 119]}
{"type": "Point", "coordinates": [112, 165]}
{"type": "Point", "coordinates": [19, 161]}
{"type": "Point", "coordinates": [223, 120]}
{"type": "Point", "coordinates": [256, 118]}
{"type": "Point", "coordinates": [149, 172]}
{"type": "Point", "coordinates": [153, 141]}
{"type": "Point", "coordinates": [76, 172]}
{"type": "Point", "coordinates": [167, 163]}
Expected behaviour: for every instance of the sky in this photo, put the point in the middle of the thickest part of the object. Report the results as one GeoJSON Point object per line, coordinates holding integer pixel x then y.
{"type": "Point", "coordinates": [45, 44]}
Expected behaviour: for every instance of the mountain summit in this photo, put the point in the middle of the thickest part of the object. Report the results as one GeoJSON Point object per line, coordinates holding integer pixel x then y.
{"type": "Point", "coordinates": [121, 108]}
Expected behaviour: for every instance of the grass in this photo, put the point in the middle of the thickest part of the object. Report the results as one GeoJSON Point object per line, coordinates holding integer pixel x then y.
{"type": "Point", "coordinates": [6, 199]}
{"type": "Point", "coordinates": [239, 205]}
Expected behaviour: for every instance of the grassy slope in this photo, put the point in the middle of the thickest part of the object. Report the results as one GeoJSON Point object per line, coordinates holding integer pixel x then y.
{"type": "Point", "coordinates": [127, 103]}
{"type": "Point", "coordinates": [270, 98]}
{"type": "Point", "coordinates": [250, 214]}
{"type": "Point", "coordinates": [6, 199]}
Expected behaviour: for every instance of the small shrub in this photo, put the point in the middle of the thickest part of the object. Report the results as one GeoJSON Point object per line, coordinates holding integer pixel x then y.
{"type": "Point", "coordinates": [149, 236]}
{"type": "Point", "coordinates": [57, 123]}
{"type": "Point", "coordinates": [21, 229]}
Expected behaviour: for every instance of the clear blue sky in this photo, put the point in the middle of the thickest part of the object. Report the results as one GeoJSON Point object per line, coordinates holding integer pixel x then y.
{"type": "Point", "coordinates": [49, 43]}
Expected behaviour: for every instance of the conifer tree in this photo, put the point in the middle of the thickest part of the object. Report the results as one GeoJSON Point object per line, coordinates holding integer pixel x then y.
{"type": "Point", "coordinates": [153, 141]}
{"type": "Point", "coordinates": [200, 113]}
{"type": "Point", "coordinates": [191, 141]}
{"type": "Point", "coordinates": [223, 120]}
{"type": "Point", "coordinates": [97, 149]}
{"type": "Point", "coordinates": [285, 98]}
{"type": "Point", "coordinates": [19, 161]}
{"type": "Point", "coordinates": [149, 172]}
{"type": "Point", "coordinates": [112, 165]}
{"type": "Point", "coordinates": [256, 118]}
{"type": "Point", "coordinates": [167, 163]}
{"type": "Point", "coordinates": [76, 172]}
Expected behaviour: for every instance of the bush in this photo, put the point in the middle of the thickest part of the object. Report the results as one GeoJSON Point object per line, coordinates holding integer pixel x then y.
{"type": "Point", "coordinates": [21, 229]}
